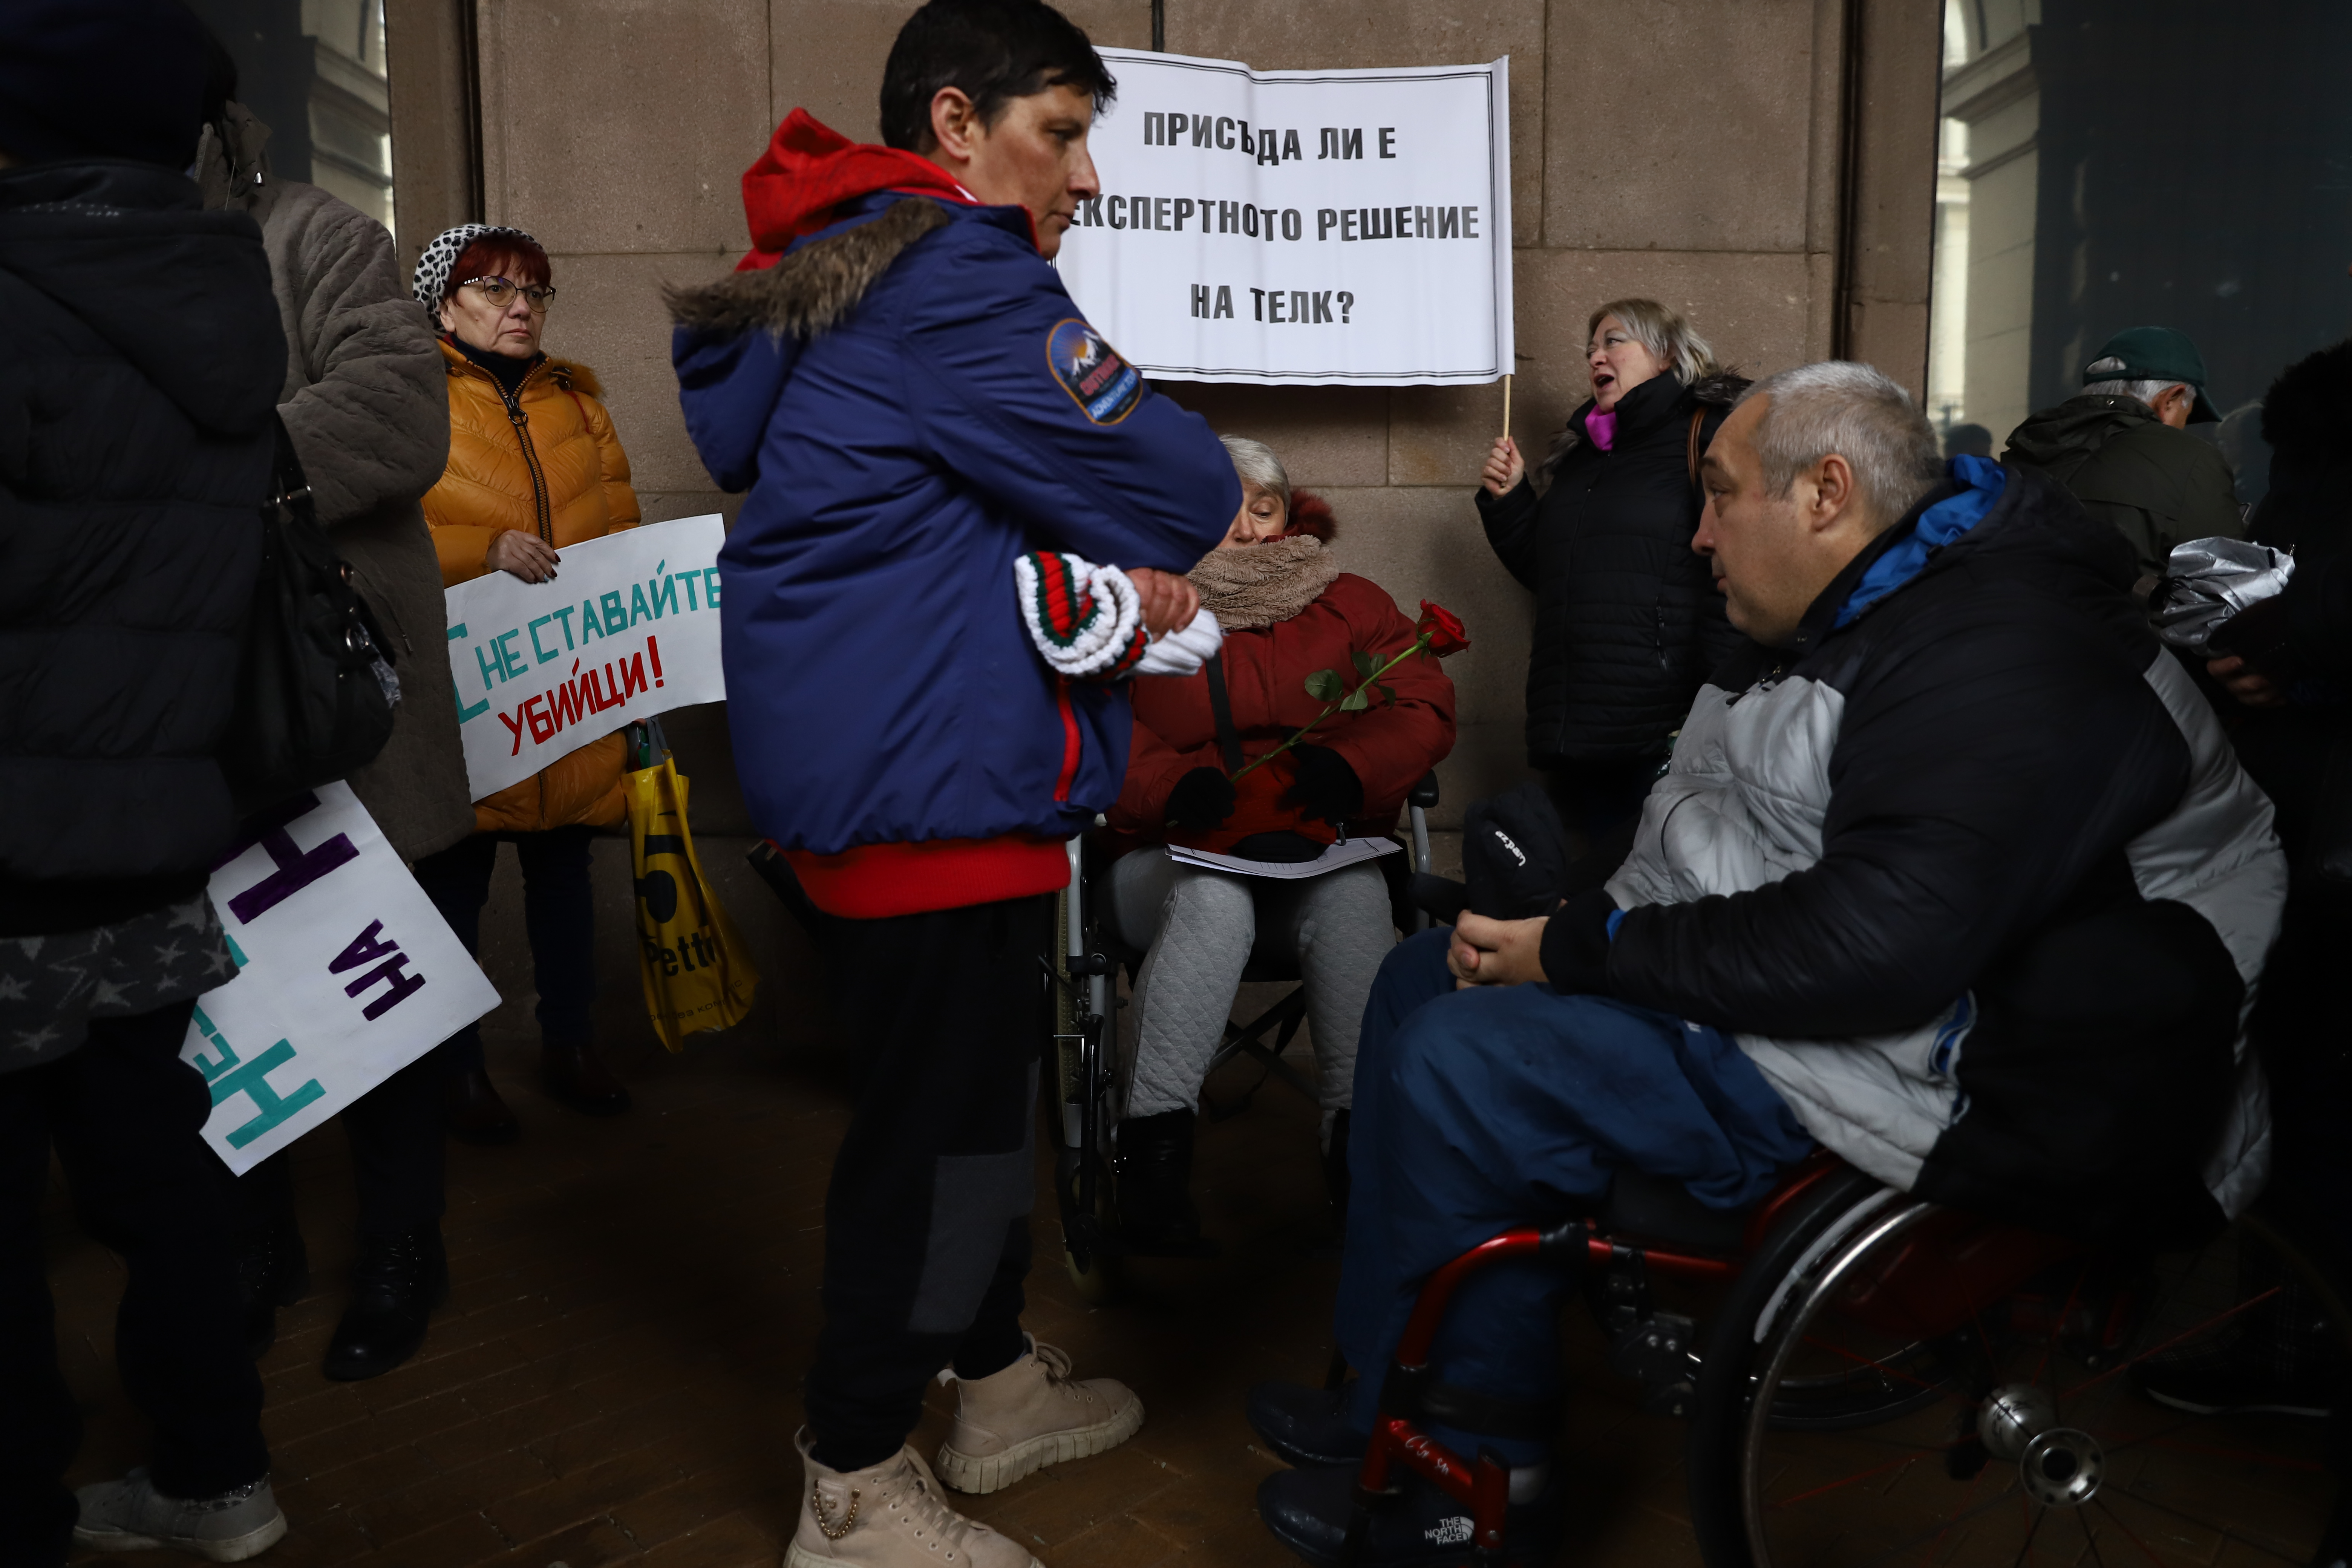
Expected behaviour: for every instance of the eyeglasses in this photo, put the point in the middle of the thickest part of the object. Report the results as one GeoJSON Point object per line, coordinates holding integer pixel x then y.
{"type": "Point", "coordinates": [498, 293]}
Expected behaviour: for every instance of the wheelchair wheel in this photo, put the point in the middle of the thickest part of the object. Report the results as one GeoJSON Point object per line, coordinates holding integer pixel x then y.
{"type": "Point", "coordinates": [1895, 1382]}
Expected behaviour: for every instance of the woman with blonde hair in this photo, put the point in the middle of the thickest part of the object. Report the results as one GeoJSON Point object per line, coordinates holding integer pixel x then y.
{"type": "Point", "coordinates": [1628, 621]}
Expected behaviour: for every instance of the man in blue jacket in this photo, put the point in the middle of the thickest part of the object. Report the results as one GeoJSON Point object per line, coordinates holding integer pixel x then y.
{"type": "Point", "coordinates": [914, 401]}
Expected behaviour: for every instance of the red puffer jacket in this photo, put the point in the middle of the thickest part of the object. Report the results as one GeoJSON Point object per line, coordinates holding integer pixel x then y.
{"type": "Point", "coordinates": [1390, 746]}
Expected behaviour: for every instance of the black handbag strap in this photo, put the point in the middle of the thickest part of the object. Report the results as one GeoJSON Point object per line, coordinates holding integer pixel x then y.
{"type": "Point", "coordinates": [1221, 708]}
{"type": "Point", "coordinates": [289, 486]}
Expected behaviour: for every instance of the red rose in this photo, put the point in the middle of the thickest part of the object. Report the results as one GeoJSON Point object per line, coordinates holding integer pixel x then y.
{"type": "Point", "coordinates": [1443, 630]}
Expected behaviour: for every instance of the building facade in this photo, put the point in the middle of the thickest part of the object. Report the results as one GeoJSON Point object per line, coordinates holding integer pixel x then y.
{"type": "Point", "coordinates": [1766, 165]}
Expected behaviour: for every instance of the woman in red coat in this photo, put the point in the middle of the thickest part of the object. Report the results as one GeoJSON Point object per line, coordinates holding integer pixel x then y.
{"type": "Point", "coordinates": [1287, 610]}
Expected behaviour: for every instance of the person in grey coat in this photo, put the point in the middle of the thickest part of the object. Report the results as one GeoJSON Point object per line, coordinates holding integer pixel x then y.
{"type": "Point", "coordinates": [365, 403]}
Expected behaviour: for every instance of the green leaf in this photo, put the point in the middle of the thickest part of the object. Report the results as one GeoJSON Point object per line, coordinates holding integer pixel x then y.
{"type": "Point", "coordinates": [1356, 701]}
{"type": "Point", "coordinates": [1325, 686]}
{"type": "Point", "coordinates": [1365, 663]}
{"type": "Point", "coordinates": [1388, 692]}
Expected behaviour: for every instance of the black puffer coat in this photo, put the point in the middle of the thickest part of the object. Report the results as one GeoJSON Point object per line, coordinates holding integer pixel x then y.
{"type": "Point", "coordinates": [1628, 621]}
{"type": "Point", "coordinates": [2307, 420]}
{"type": "Point", "coordinates": [144, 359]}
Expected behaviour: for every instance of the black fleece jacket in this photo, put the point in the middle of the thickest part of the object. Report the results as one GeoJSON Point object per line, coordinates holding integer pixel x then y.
{"type": "Point", "coordinates": [1627, 622]}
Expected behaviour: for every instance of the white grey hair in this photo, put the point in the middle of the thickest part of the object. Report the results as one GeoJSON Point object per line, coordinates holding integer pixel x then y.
{"type": "Point", "coordinates": [1858, 412]}
{"type": "Point", "coordinates": [1672, 341]}
{"type": "Point", "coordinates": [2146, 392]}
{"type": "Point", "coordinates": [1255, 462]}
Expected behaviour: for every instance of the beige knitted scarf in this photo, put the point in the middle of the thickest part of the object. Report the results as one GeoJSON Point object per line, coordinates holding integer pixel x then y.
{"type": "Point", "coordinates": [1259, 584]}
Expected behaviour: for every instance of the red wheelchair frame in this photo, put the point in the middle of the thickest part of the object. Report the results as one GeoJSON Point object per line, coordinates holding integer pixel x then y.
{"type": "Point", "coordinates": [1483, 1485]}
{"type": "Point", "coordinates": [1942, 1277]}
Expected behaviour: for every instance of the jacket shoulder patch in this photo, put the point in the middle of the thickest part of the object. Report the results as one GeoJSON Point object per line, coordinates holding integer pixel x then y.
{"type": "Point", "coordinates": [1104, 387]}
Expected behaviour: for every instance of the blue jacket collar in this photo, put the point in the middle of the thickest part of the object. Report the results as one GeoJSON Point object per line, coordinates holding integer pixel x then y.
{"type": "Point", "coordinates": [1981, 482]}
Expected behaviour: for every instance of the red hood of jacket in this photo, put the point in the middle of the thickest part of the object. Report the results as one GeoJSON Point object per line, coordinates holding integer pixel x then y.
{"type": "Point", "coordinates": [810, 169]}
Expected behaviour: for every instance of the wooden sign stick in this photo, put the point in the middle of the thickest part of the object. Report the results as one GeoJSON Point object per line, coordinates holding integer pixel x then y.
{"type": "Point", "coordinates": [1507, 405]}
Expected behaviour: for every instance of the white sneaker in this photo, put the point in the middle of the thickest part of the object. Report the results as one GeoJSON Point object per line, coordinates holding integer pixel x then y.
{"type": "Point", "coordinates": [889, 1515]}
{"type": "Point", "coordinates": [1031, 1415]}
{"type": "Point", "coordinates": [131, 1515]}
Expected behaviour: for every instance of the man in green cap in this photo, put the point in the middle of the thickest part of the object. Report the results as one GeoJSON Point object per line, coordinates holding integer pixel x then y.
{"type": "Point", "coordinates": [2122, 445]}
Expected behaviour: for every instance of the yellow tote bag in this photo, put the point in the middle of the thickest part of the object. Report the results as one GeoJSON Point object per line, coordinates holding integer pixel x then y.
{"type": "Point", "coordinates": [697, 973]}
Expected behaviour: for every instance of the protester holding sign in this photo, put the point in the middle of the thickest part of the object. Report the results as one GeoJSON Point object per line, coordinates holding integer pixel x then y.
{"type": "Point", "coordinates": [144, 365]}
{"type": "Point", "coordinates": [1628, 620]}
{"type": "Point", "coordinates": [534, 465]}
{"type": "Point", "coordinates": [914, 401]}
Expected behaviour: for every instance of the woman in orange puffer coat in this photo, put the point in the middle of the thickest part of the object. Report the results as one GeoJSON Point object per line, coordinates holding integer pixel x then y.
{"type": "Point", "coordinates": [534, 466]}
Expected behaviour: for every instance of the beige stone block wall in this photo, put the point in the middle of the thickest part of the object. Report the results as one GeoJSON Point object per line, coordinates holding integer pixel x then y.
{"type": "Point", "coordinates": [1691, 150]}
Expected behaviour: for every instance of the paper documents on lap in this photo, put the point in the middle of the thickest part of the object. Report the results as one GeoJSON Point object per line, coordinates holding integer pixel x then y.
{"type": "Point", "coordinates": [1353, 852]}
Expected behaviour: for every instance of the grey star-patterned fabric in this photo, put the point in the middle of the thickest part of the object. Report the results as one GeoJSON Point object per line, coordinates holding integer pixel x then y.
{"type": "Point", "coordinates": [432, 267]}
{"type": "Point", "coordinates": [52, 986]}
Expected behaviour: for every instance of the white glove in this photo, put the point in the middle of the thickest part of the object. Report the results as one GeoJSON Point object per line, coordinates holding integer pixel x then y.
{"type": "Point", "coordinates": [1087, 621]}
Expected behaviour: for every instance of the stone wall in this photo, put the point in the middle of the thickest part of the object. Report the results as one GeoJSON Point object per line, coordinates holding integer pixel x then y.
{"type": "Point", "coordinates": [1723, 155]}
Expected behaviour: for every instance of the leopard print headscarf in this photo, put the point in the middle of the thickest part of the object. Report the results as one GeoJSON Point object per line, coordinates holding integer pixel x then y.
{"type": "Point", "coordinates": [432, 267]}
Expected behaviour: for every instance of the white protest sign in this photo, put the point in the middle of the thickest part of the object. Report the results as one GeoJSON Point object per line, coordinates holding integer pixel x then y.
{"type": "Point", "coordinates": [345, 974]}
{"type": "Point", "coordinates": [1340, 227]}
{"type": "Point", "coordinates": [627, 628]}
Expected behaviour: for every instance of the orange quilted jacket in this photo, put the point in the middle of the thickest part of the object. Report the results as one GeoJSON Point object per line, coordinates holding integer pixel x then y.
{"type": "Point", "coordinates": [554, 466]}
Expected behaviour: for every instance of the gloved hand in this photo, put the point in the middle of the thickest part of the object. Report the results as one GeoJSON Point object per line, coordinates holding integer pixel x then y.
{"type": "Point", "coordinates": [1327, 787]}
{"type": "Point", "coordinates": [1202, 798]}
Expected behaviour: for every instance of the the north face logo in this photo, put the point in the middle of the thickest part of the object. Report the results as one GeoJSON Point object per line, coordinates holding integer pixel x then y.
{"type": "Point", "coordinates": [1455, 1531]}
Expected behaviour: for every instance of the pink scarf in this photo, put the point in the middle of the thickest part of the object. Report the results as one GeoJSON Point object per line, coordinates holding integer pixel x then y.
{"type": "Point", "coordinates": [1601, 429]}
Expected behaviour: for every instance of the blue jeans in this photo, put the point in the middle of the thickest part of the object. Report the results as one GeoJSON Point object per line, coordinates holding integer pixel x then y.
{"type": "Point", "coordinates": [1478, 1110]}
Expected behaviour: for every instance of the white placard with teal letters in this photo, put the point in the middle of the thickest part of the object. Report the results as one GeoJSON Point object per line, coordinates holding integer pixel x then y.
{"type": "Point", "coordinates": [627, 628]}
{"type": "Point", "coordinates": [345, 974]}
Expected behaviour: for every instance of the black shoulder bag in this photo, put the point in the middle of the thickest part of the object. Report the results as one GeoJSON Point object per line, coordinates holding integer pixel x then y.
{"type": "Point", "coordinates": [316, 690]}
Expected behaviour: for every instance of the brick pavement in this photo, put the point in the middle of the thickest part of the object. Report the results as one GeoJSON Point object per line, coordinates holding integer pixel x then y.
{"type": "Point", "coordinates": [616, 1377]}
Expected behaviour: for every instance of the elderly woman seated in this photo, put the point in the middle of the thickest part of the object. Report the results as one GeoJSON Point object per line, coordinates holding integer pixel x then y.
{"type": "Point", "coordinates": [1288, 610]}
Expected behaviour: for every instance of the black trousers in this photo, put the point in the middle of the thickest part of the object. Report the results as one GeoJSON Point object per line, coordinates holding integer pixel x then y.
{"type": "Point", "coordinates": [397, 1132]}
{"type": "Point", "coordinates": [126, 1116]}
{"type": "Point", "coordinates": [926, 1221]}
{"type": "Point", "coordinates": [558, 917]}
{"type": "Point", "coordinates": [2298, 1027]}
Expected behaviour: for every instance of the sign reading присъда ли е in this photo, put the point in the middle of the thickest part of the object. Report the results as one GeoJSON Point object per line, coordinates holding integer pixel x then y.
{"type": "Point", "coordinates": [1342, 227]}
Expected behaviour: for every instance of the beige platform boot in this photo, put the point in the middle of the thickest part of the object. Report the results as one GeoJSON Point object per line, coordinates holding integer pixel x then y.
{"type": "Point", "coordinates": [889, 1515]}
{"type": "Point", "coordinates": [1031, 1415]}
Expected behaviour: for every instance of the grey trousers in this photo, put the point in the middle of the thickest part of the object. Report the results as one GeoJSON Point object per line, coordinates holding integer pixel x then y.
{"type": "Point", "coordinates": [1199, 929]}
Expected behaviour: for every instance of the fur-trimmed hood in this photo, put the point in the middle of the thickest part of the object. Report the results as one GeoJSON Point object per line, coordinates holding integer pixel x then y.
{"type": "Point", "coordinates": [812, 287]}
{"type": "Point", "coordinates": [1311, 514]}
{"type": "Point", "coordinates": [569, 375]}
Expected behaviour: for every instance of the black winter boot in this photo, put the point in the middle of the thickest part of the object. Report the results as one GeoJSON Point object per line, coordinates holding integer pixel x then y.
{"type": "Point", "coordinates": [273, 1270]}
{"type": "Point", "coordinates": [1307, 1427]}
{"type": "Point", "coordinates": [1309, 1511]}
{"type": "Point", "coordinates": [1155, 1183]}
{"type": "Point", "coordinates": [396, 1282]}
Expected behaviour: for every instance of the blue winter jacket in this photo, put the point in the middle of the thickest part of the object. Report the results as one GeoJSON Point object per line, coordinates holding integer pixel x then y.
{"type": "Point", "coordinates": [913, 400]}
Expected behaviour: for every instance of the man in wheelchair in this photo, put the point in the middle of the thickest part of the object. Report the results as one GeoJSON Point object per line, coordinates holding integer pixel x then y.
{"type": "Point", "coordinates": [1953, 872]}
